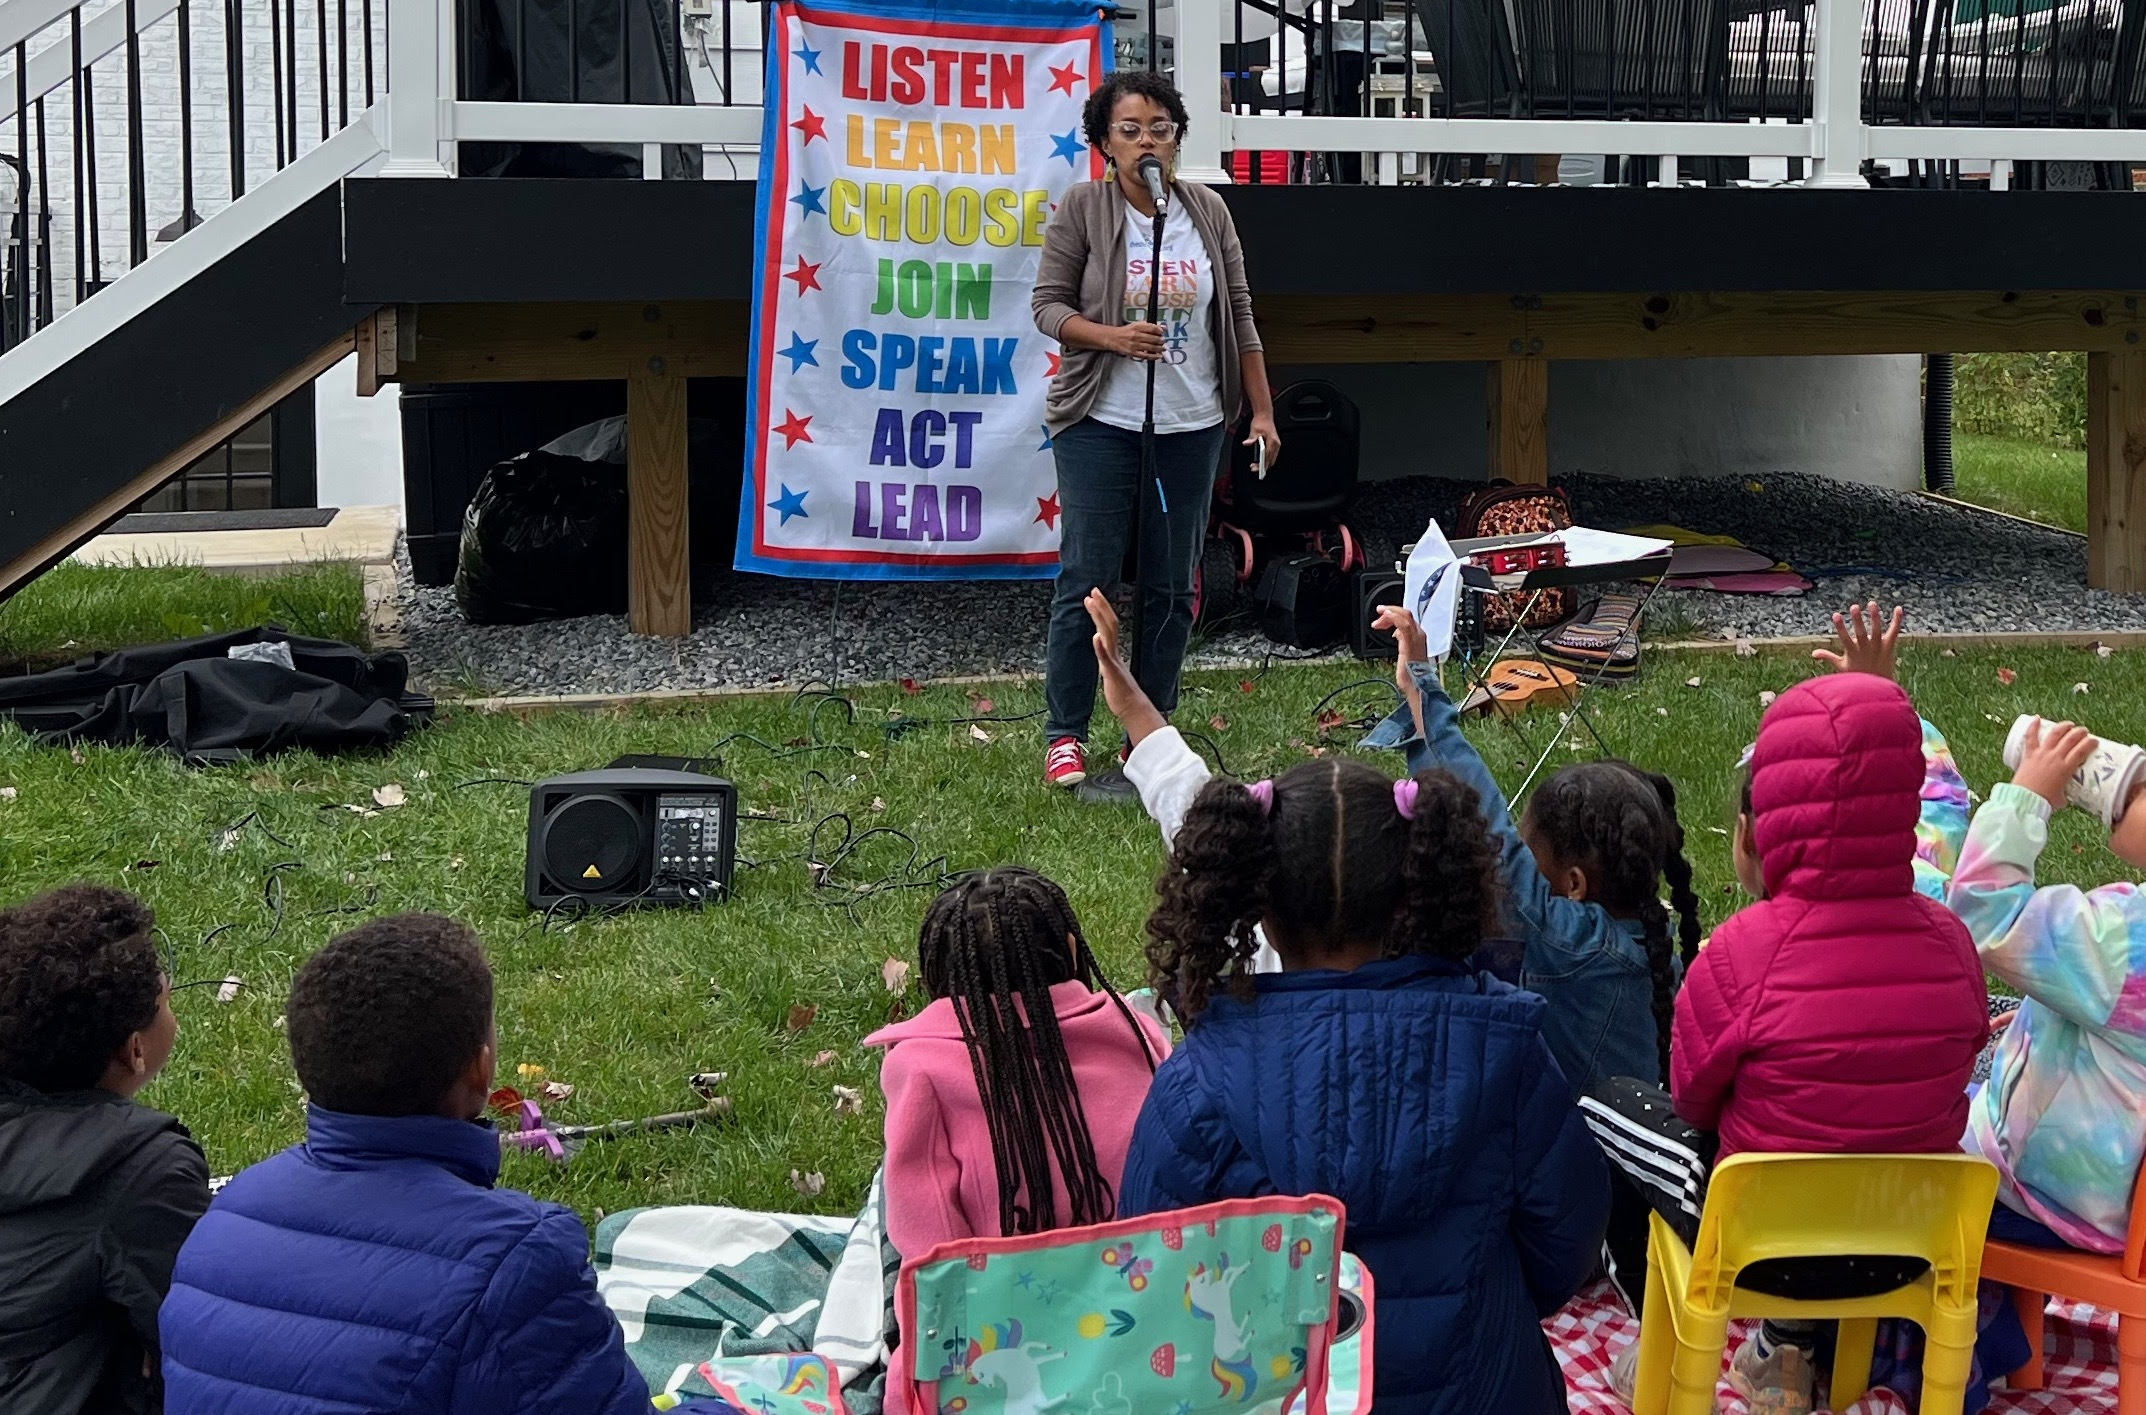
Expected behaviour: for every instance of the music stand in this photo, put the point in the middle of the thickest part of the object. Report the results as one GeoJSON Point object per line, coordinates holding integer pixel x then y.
{"type": "Point", "coordinates": [1647, 569]}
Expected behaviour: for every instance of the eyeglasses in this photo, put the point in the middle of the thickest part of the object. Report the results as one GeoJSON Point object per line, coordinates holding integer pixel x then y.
{"type": "Point", "coordinates": [1162, 130]}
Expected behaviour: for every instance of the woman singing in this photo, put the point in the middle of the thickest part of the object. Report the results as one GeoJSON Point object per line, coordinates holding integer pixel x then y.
{"type": "Point", "coordinates": [1092, 296]}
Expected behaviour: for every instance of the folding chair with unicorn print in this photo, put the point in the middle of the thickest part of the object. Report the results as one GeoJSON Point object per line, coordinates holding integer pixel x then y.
{"type": "Point", "coordinates": [1227, 1309]}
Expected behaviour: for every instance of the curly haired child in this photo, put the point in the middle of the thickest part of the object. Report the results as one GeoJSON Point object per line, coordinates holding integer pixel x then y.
{"type": "Point", "coordinates": [1376, 1067]}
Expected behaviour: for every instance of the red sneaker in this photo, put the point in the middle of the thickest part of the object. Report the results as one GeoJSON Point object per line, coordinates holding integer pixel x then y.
{"type": "Point", "coordinates": [1064, 764]}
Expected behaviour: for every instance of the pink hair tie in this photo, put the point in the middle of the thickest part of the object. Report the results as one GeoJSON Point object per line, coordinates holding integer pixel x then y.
{"type": "Point", "coordinates": [1263, 793]}
{"type": "Point", "coordinates": [1404, 797]}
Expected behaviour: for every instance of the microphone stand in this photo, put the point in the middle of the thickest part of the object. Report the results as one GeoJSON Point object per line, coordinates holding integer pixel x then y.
{"type": "Point", "coordinates": [1148, 477]}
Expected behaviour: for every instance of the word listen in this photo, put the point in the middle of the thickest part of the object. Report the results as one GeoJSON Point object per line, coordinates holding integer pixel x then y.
{"type": "Point", "coordinates": [897, 146]}
{"type": "Point", "coordinates": [957, 78]}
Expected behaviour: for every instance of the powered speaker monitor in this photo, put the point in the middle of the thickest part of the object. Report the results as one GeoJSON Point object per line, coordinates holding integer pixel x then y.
{"type": "Point", "coordinates": [631, 835]}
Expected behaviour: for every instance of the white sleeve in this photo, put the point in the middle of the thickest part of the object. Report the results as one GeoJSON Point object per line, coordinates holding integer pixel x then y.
{"type": "Point", "coordinates": [1168, 774]}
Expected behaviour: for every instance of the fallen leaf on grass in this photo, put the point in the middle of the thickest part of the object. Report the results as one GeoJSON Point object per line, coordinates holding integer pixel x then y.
{"type": "Point", "coordinates": [879, 803]}
{"type": "Point", "coordinates": [2007, 677]}
{"type": "Point", "coordinates": [801, 1017]}
{"type": "Point", "coordinates": [825, 1058]}
{"type": "Point", "coordinates": [1766, 698]}
{"type": "Point", "coordinates": [980, 705]}
{"type": "Point", "coordinates": [1692, 682]}
{"type": "Point", "coordinates": [390, 796]}
{"type": "Point", "coordinates": [279, 1022]}
{"type": "Point", "coordinates": [1948, 653]}
{"type": "Point", "coordinates": [2103, 651]}
{"type": "Point", "coordinates": [808, 1185]}
{"type": "Point", "coordinates": [504, 1100]}
{"type": "Point", "coordinates": [978, 734]}
{"type": "Point", "coordinates": [1218, 722]}
{"type": "Point", "coordinates": [1661, 712]}
{"type": "Point", "coordinates": [1330, 718]}
{"type": "Point", "coordinates": [226, 842]}
{"type": "Point", "coordinates": [76, 754]}
{"type": "Point", "coordinates": [863, 753]}
{"type": "Point", "coordinates": [848, 1100]}
{"type": "Point", "coordinates": [895, 974]}
{"type": "Point", "coordinates": [7, 793]}
{"type": "Point", "coordinates": [912, 687]}
{"type": "Point", "coordinates": [556, 1091]}
{"type": "Point", "coordinates": [530, 1072]}
{"type": "Point", "coordinates": [360, 811]}
{"type": "Point", "coordinates": [1746, 649]}
{"type": "Point", "coordinates": [2078, 687]}
{"type": "Point", "coordinates": [798, 742]}
{"type": "Point", "coordinates": [455, 862]}
{"type": "Point", "coordinates": [423, 775]}
{"type": "Point", "coordinates": [386, 856]}
{"type": "Point", "coordinates": [1245, 685]}
{"type": "Point", "coordinates": [230, 988]}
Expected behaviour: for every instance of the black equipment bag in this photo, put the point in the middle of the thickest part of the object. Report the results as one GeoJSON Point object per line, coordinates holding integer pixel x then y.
{"type": "Point", "coordinates": [1303, 601]}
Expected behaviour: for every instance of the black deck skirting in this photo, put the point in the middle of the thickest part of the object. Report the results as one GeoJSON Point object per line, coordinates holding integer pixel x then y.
{"type": "Point", "coordinates": [419, 241]}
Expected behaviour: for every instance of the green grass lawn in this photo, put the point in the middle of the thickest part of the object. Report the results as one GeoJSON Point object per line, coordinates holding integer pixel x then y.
{"type": "Point", "coordinates": [75, 609]}
{"type": "Point", "coordinates": [625, 1008]}
{"type": "Point", "coordinates": [2036, 480]}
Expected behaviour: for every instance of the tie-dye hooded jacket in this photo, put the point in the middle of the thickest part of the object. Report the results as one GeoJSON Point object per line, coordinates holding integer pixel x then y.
{"type": "Point", "coordinates": [2063, 1115]}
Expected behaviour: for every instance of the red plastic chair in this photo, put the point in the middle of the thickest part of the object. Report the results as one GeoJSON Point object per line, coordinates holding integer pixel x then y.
{"type": "Point", "coordinates": [2117, 1284]}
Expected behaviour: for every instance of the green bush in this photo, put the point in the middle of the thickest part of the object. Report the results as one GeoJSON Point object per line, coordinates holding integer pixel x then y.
{"type": "Point", "coordinates": [2022, 397]}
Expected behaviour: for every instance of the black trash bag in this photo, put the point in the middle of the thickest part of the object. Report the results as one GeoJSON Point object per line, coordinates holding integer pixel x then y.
{"type": "Point", "coordinates": [190, 696]}
{"type": "Point", "coordinates": [545, 535]}
{"type": "Point", "coordinates": [544, 538]}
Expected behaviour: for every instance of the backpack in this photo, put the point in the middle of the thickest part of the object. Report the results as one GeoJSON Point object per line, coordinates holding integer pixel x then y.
{"type": "Point", "coordinates": [1503, 509]}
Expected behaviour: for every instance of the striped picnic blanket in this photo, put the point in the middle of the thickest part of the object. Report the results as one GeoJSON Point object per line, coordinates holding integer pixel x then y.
{"type": "Point", "coordinates": [691, 1283]}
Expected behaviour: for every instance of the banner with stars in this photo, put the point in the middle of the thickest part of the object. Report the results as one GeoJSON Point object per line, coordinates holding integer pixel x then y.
{"type": "Point", "coordinates": [912, 155]}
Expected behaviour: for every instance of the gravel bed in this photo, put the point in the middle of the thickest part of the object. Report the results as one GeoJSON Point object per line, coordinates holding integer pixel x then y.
{"type": "Point", "coordinates": [1957, 570]}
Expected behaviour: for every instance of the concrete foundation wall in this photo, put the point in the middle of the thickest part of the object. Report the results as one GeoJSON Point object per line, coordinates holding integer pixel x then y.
{"type": "Point", "coordinates": [1854, 419]}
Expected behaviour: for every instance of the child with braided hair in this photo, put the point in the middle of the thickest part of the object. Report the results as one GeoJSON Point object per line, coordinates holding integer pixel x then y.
{"type": "Point", "coordinates": [1376, 1067]}
{"type": "Point", "coordinates": [1011, 1097]}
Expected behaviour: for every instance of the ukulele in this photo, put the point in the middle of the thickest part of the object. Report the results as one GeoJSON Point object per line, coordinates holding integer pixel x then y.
{"type": "Point", "coordinates": [1516, 684]}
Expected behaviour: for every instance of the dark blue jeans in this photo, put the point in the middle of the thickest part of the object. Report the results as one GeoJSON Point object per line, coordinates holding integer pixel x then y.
{"type": "Point", "coordinates": [1098, 491]}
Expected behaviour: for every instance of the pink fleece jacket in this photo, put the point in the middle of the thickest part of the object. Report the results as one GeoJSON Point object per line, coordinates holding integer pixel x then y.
{"type": "Point", "coordinates": [1842, 1013]}
{"type": "Point", "coordinates": [941, 1182]}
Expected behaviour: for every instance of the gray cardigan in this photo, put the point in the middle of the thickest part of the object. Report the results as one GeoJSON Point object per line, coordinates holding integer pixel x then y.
{"type": "Point", "coordinates": [1083, 273]}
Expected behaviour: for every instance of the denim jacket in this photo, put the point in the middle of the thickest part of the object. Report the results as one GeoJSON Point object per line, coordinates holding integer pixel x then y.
{"type": "Point", "coordinates": [1590, 968]}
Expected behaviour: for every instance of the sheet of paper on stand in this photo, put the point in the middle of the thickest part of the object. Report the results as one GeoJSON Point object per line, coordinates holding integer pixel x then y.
{"type": "Point", "coordinates": [1430, 587]}
{"type": "Point", "coordinates": [1587, 546]}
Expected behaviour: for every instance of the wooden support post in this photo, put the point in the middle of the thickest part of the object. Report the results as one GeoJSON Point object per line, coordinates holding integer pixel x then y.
{"type": "Point", "coordinates": [2116, 471]}
{"type": "Point", "coordinates": [660, 598]}
{"type": "Point", "coordinates": [1518, 399]}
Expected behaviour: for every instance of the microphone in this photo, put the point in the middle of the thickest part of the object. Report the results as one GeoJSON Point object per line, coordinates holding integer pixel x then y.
{"type": "Point", "coordinates": [1150, 170]}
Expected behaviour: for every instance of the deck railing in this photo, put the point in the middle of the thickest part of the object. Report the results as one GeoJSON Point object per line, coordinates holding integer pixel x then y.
{"type": "Point", "coordinates": [126, 123]}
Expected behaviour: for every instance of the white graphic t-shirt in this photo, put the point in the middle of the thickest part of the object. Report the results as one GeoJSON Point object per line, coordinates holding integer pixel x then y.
{"type": "Point", "coordinates": [1188, 393]}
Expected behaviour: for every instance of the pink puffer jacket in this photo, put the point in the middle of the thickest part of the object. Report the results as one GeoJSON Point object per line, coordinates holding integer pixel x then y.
{"type": "Point", "coordinates": [1842, 1013]}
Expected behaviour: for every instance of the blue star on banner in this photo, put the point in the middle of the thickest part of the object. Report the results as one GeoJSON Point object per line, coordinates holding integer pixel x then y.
{"type": "Point", "coordinates": [1046, 437]}
{"type": "Point", "coordinates": [790, 503]}
{"type": "Point", "coordinates": [808, 198]}
{"type": "Point", "coordinates": [1067, 145]}
{"type": "Point", "coordinates": [809, 56]}
{"type": "Point", "coordinates": [800, 352]}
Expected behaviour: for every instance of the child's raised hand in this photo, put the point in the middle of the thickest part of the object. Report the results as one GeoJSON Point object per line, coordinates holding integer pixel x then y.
{"type": "Point", "coordinates": [1132, 708]}
{"type": "Point", "coordinates": [1867, 643]}
{"type": "Point", "coordinates": [1411, 645]}
{"type": "Point", "coordinates": [2052, 753]}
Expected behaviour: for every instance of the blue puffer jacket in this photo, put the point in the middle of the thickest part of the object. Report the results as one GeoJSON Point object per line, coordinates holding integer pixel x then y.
{"type": "Point", "coordinates": [1421, 1096]}
{"type": "Point", "coordinates": [375, 1268]}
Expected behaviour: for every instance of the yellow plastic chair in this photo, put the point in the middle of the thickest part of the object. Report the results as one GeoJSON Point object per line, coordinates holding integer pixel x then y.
{"type": "Point", "coordinates": [1934, 1207]}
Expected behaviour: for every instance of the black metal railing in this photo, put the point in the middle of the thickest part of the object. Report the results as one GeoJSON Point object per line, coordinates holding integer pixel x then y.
{"type": "Point", "coordinates": [125, 126]}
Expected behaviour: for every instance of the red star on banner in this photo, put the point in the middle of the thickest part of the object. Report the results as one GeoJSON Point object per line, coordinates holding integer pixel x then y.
{"type": "Point", "coordinates": [1066, 77]}
{"type": "Point", "coordinates": [812, 125]}
{"type": "Point", "coordinates": [1052, 370]}
{"type": "Point", "coordinates": [806, 276]}
{"type": "Point", "coordinates": [792, 428]}
{"type": "Point", "coordinates": [1047, 510]}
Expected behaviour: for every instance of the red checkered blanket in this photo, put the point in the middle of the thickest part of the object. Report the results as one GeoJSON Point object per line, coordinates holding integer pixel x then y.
{"type": "Point", "coordinates": [2079, 1365]}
